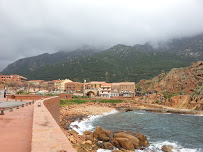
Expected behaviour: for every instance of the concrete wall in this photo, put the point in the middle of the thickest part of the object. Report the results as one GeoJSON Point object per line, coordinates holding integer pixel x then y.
{"type": "Point", "coordinates": [47, 135]}
{"type": "Point", "coordinates": [53, 105]}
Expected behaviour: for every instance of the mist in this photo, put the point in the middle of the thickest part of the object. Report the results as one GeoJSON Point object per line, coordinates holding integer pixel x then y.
{"type": "Point", "coordinates": [29, 28]}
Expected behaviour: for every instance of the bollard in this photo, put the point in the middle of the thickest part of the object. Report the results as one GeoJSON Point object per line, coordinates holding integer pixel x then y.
{"type": "Point", "coordinates": [39, 104]}
{"type": "Point", "coordinates": [30, 103]}
{"type": "Point", "coordinates": [33, 101]}
{"type": "Point", "coordinates": [22, 105]}
{"type": "Point", "coordinates": [17, 107]}
{"type": "Point", "coordinates": [11, 109]}
{"type": "Point", "coordinates": [2, 112]}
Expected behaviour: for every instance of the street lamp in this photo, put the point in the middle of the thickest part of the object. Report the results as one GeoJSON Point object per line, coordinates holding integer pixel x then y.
{"type": "Point", "coordinates": [84, 88]}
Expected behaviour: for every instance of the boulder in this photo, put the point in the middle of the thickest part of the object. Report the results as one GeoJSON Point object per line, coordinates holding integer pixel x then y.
{"type": "Point", "coordinates": [108, 133]}
{"type": "Point", "coordinates": [88, 142]}
{"type": "Point", "coordinates": [87, 133]}
{"type": "Point", "coordinates": [89, 137]}
{"type": "Point", "coordinates": [133, 139]}
{"type": "Point", "coordinates": [167, 148]}
{"type": "Point", "coordinates": [125, 143]}
{"type": "Point", "coordinates": [115, 143]}
{"type": "Point", "coordinates": [142, 139]}
{"type": "Point", "coordinates": [73, 132]}
{"type": "Point", "coordinates": [108, 145]}
{"type": "Point", "coordinates": [102, 135]}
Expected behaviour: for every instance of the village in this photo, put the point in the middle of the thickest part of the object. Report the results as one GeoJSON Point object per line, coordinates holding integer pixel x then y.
{"type": "Point", "coordinates": [16, 84]}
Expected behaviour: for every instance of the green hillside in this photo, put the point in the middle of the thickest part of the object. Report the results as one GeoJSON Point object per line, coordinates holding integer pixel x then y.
{"type": "Point", "coordinates": [120, 63]}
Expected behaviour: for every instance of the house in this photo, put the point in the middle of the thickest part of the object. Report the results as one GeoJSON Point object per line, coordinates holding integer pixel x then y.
{"type": "Point", "coordinates": [105, 90]}
{"type": "Point", "coordinates": [12, 78]}
{"type": "Point", "coordinates": [60, 85]}
{"type": "Point", "coordinates": [127, 89]}
{"type": "Point", "coordinates": [115, 90]}
{"type": "Point", "coordinates": [73, 87]}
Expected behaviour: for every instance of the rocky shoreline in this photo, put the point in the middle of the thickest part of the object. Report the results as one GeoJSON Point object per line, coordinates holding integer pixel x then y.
{"type": "Point", "coordinates": [106, 139]}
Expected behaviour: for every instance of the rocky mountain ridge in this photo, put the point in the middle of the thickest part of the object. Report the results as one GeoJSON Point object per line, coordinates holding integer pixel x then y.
{"type": "Point", "coordinates": [118, 63]}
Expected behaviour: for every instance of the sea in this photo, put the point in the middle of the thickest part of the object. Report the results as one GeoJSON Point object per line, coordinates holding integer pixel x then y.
{"type": "Point", "coordinates": [183, 132]}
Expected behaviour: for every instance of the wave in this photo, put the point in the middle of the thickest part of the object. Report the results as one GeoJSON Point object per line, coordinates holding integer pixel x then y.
{"type": "Point", "coordinates": [86, 124]}
{"type": "Point", "coordinates": [177, 147]}
{"type": "Point", "coordinates": [156, 146]}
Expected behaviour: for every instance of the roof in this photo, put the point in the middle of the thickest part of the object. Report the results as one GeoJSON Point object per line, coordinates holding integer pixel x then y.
{"type": "Point", "coordinates": [127, 83]}
{"type": "Point", "coordinates": [36, 81]}
{"type": "Point", "coordinates": [106, 84]}
{"type": "Point", "coordinates": [97, 82]}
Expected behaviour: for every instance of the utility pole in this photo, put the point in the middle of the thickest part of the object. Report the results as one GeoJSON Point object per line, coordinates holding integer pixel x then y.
{"type": "Point", "coordinates": [84, 88]}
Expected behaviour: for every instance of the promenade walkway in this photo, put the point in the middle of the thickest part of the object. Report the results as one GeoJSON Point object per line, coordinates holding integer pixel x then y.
{"type": "Point", "coordinates": [16, 129]}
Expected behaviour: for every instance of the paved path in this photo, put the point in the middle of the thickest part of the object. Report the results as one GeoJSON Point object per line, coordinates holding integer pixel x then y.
{"type": "Point", "coordinates": [8, 104]}
{"type": "Point", "coordinates": [16, 130]}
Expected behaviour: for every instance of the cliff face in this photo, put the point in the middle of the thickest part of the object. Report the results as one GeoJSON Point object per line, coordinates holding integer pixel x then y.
{"type": "Point", "coordinates": [178, 81]}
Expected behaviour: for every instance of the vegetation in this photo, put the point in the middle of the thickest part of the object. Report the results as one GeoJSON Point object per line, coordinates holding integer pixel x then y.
{"type": "Point", "coordinates": [119, 63]}
{"type": "Point", "coordinates": [65, 102]}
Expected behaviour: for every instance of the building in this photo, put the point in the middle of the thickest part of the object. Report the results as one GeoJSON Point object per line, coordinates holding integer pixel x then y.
{"type": "Point", "coordinates": [12, 79]}
{"type": "Point", "coordinates": [115, 90]}
{"type": "Point", "coordinates": [127, 89]}
{"type": "Point", "coordinates": [105, 90]}
{"type": "Point", "coordinates": [96, 84]}
{"type": "Point", "coordinates": [36, 82]}
{"type": "Point", "coordinates": [73, 87]}
{"type": "Point", "coordinates": [60, 85]}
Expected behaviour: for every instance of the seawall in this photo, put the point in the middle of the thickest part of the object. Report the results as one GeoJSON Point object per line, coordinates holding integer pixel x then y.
{"type": "Point", "coordinates": [47, 135]}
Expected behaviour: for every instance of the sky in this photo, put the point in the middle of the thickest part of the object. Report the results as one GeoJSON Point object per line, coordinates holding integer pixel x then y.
{"type": "Point", "coordinates": [33, 27]}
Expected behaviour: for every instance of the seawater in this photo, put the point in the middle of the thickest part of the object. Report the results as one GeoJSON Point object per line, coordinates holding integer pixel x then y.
{"type": "Point", "coordinates": [184, 132]}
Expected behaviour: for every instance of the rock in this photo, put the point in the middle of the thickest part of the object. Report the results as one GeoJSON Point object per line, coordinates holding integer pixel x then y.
{"type": "Point", "coordinates": [88, 142]}
{"type": "Point", "coordinates": [103, 137]}
{"type": "Point", "coordinates": [142, 139]}
{"type": "Point", "coordinates": [108, 145]}
{"type": "Point", "coordinates": [89, 137]}
{"type": "Point", "coordinates": [97, 132]}
{"type": "Point", "coordinates": [125, 143]}
{"type": "Point", "coordinates": [115, 143]}
{"type": "Point", "coordinates": [181, 101]}
{"type": "Point", "coordinates": [73, 132]}
{"type": "Point", "coordinates": [87, 133]}
{"type": "Point", "coordinates": [133, 139]}
{"type": "Point", "coordinates": [167, 148]}
{"type": "Point", "coordinates": [108, 133]}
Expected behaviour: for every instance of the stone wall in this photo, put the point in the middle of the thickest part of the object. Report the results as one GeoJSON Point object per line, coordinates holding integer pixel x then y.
{"type": "Point", "coordinates": [53, 105]}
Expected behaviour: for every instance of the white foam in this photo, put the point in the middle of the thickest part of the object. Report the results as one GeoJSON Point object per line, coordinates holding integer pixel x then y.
{"type": "Point", "coordinates": [178, 148]}
{"type": "Point", "coordinates": [86, 124]}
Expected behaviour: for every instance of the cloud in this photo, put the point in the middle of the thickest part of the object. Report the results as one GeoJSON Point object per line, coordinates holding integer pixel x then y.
{"type": "Point", "coordinates": [32, 27]}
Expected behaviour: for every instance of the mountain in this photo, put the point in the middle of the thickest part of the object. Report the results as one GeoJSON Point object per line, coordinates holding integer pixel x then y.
{"type": "Point", "coordinates": [177, 81]}
{"type": "Point", "coordinates": [121, 62]}
{"type": "Point", "coordinates": [26, 65]}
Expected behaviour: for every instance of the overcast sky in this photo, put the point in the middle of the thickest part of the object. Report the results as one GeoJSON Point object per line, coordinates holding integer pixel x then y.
{"type": "Point", "coordinates": [32, 27]}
